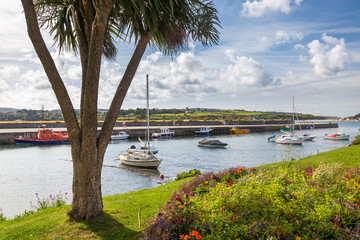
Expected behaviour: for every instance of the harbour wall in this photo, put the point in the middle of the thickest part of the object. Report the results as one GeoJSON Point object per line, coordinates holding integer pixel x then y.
{"type": "Point", "coordinates": [54, 124]}
{"type": "Point", "coordinates": [139, 129]}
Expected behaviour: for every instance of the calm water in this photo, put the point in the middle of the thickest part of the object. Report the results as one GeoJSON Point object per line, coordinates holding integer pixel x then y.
{"type": "Point", "coordinates": [47, 170]}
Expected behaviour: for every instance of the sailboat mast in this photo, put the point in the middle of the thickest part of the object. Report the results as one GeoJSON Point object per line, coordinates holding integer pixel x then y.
{"type": "Point", "coordinates": [147, 111]}
{"type": "Point", "coordinates": [293, 116]}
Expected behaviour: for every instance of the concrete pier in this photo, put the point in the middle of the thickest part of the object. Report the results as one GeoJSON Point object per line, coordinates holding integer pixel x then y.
{"type": "Point", "coordinates": [7, 135]}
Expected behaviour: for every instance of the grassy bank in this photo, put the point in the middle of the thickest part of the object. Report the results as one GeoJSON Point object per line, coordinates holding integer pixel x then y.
{"type": "Point", "coordinates": [214, 197]}
{"type": "Point", "coordinates": [120, 220]}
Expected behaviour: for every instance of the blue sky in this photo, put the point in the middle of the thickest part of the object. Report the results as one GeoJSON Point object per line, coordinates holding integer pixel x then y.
{"type": "Point", "coordinates": [269, 51]}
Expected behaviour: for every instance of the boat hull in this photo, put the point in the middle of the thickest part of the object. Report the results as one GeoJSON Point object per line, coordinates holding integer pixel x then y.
{"type": "Point", "coordinates": [34, 141]}
{"type": "Point", "coordinates": [307, 138]}
{"type": "Point", "coordinates": [122, 135]}
{"type": "Point", "coordinates": [152, 163]}
{"type": "Point", "coordinates": [239, 131]}
{"type": "Point", "coordinates": [289, 140]}
{"type": "Point", "coordinates": [162, 135]}
{"type": "Point", "coordinates": [338, 138]}
{"type": "Point", "coordinates": [202, 133]}
{"type": "Point", "coordinates": [212, 146]}
{"type": "Point", "coordinates": [116, 137]}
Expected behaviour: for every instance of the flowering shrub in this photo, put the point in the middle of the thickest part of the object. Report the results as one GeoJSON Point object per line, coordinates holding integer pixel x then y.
{"type": "Point", "coordinates": [52, 201]}
{"type": "Point", "coordinates": [281, 203]}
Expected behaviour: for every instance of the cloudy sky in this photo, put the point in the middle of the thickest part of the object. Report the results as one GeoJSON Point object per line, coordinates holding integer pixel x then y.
{"type": "Point", "coordinates": [269, 51]}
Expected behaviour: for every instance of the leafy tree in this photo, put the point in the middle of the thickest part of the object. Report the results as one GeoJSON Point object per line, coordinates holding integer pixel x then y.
{"type": "Point", "coordinates": [90, 28]}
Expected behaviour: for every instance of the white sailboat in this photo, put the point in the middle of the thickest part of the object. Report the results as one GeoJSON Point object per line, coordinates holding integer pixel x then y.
{"type": "Point", "coordinates": [143, 157]}
{"type": "Point", "coordinates": [290, 138]}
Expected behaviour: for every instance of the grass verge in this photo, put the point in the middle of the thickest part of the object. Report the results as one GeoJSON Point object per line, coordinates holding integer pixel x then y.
{"type": "Point", "coordinates": [119, 221]}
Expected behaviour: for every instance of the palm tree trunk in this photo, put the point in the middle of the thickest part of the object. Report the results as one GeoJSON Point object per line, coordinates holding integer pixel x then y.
{"type": "Point", "coordinates": [87, 197]}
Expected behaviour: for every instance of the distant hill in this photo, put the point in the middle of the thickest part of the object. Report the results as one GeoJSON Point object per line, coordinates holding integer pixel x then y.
{"type": "Point", "coordinates": [8, 110]}
{"type": "Point", "coordinates": [139, 114]}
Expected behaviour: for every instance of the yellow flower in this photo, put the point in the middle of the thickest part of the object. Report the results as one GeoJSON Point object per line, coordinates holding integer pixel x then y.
{"type": "Point", "coordinates": [206, 182]}
{"type": "Point", "coordinates": [297, 238]}
{"type": "Point", "coordinates": [177, 203]}
{"type": "Point", "coordinates": [182, 206]}
{"type": "Point", "coordinates": [191, 200]}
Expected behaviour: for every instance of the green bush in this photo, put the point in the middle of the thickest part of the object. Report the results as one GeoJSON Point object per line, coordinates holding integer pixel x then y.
{"type": "Point", "coordinates": [191, 173]}
{"type": "Point", "coordinates": [356, 141]}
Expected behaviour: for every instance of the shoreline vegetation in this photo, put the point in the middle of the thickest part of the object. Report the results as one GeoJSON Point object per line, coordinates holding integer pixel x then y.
{"type": "Point", "coordinates": [139, 114]}
{"type": "Point", "coordinates": [316, 197]}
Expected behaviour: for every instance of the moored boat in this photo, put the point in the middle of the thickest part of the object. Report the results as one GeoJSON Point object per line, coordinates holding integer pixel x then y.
{"type": "Point", "coordinates": [138, 159]}
{"type": "Point", "coordinates": [143, 157]}
{"type": "Point", "coordinates": [203, 131]}
{"type": "Point", "coordinates": [272, 138]}
{"type": "Point", "coordinates": [338, 136]}
{"type": "Point", "coordinates": [120, 136]}
{"type": "Point", "coordinates": [307, 137]}
{"type": "Point", "coordinates": [44, 136]}
{"type": "Point", "coordinates": [239, 130]}
{"type": "Point", "coordinates": [164, 133]}
{"type": "Point", "coordinates": [211, 143]}
{"type": "Point", "coordinates": [289, 140]}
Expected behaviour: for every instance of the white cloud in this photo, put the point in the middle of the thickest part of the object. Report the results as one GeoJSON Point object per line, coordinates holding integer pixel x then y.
{"type": "Point", "coordinates": [299, 46]}
{"type": "Point", "coordinates": [245, 72]}
{"type": "Point", "coordinates": [257, 8]}
{"type": "Point", "coordinates": [282, 37]}
{"type": "Point", "coordinates": [329, 56]}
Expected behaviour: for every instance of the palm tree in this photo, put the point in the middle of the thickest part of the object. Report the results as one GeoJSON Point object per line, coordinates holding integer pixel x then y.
{"type": "Point", "coordinates": [90, 29]}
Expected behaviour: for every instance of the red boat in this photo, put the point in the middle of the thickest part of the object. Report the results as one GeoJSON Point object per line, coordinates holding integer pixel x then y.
{"type": "Point", "coordinates": [44, 137]}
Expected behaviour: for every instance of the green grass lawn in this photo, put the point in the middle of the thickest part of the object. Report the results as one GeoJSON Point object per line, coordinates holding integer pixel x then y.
{"type": "Point", "coordinates": [120, 219]}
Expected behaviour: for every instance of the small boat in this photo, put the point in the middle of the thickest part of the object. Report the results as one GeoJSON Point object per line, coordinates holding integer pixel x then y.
{"type": "Point", "coordinates": [203, 131]}
{"type": "Point", "coordinates": [164, 133]}
{"type": "Point", "coordinates": [307, 137]}
{"type": "Point", "coordinates": [238, 130]}
{"type": "Point", "coordinates": [44, 136]}
{"type": "Point", "coordinates": [338, 136]}
{"type": "Point", "coordinates": [289, 140]}
{"type": "Point", "coordinates": [272, 138]}
{"type": "Point", "coordinates": [211, 143]}
{"type": "Point", "coordinates": [120, 136]}
{"type": "Point", "coordinates": [138, 159]}
{"type": "Point", "coordinates": [310, 126]}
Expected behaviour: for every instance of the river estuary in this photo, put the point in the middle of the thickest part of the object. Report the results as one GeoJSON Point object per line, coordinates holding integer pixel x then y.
{"type": "Point", "coordinates": [47, 170]}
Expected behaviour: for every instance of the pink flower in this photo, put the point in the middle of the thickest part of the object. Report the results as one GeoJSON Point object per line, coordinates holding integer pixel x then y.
{"type": "Point", "coordinates": [337, 218]}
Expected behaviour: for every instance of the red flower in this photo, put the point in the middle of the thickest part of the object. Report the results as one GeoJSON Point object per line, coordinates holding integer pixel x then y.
{"type": "Point", "coordinates": [230, 183]}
